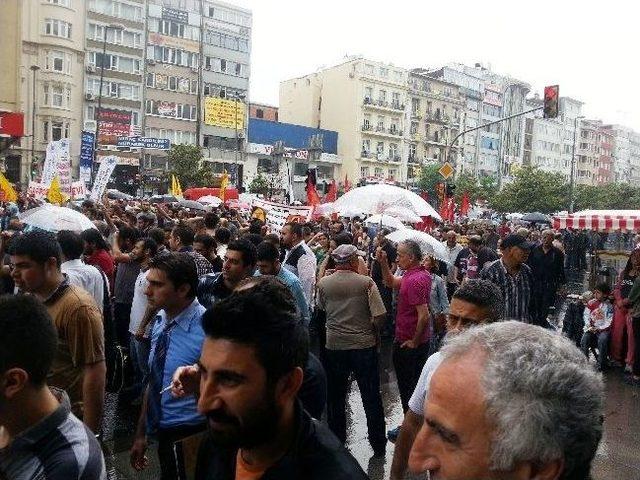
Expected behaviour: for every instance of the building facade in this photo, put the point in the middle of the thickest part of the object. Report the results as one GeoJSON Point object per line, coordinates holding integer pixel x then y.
{"type": "Point", "coordinates": [263, 111]}
{"type": "Point", "coordinates": [366, 103]}
{"type": "Point", "coordinates": [115, 52]}
{"type": "Point", "coordinates": [226, 61]}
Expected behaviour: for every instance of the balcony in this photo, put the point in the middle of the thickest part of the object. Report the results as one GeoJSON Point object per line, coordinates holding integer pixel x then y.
{"type": "Point", "coordinates": [395, 158]}
{"type": "Point", "coordinates": [417, 137]}
{"type": "Point", "coordinates": [416, 115]}
{"type": "Point", "coordinates": [383, 105]}
{"type": "Point", "coordinates": [413, 159]}
{"type": "Point", "coordinates": [381, 131]}
{"type": "Point", "coordinates": [437, 118]}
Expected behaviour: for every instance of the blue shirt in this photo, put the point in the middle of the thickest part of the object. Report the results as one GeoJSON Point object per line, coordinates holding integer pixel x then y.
{"type": "Point", "coordinates": [185, 345]}
{"type": "Point", "coordinates": [295, 287]}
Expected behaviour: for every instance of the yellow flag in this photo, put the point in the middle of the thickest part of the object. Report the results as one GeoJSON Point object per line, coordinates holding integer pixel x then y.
{"type": "Point", "coordinates": [55, 195]}
{"type": "Point", "coordinates": [176, 189]}
{"type": "Point", "coordinates": [10, 194]}
{"type": "Point", "coordinates": [223, 184]}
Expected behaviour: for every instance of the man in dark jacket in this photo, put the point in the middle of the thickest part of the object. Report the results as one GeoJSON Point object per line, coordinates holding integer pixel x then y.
{"type": "Point", "coordinates": [251, 369]}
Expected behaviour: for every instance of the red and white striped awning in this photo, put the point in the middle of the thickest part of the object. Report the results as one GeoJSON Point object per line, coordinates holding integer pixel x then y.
{"type": "Point", "coordinates": [598, 222]}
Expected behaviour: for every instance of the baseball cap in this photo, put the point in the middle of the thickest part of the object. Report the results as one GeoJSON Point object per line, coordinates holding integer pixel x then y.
{"type": "Point", "coordinates": [515, 240]}
{"type": "Point", "coordinates": [345, 253]}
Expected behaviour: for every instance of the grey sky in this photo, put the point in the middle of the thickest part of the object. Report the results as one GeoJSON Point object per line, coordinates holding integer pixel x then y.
{"type": "Point", "coordinates": [588, 48]}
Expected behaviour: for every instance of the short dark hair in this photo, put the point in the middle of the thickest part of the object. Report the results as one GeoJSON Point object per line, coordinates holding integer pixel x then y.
{"type": "Point", "coordinates": [157, 234]}
{"type": "Point", "coordinates": [150, 244]}
{"type": "Point", "coordinates": [254, 238]}
{"type": "Point", "coordinates": [211, 220]}
{"type": "Point", "coordinates": [264, 316]}
{"type": "Point", "coordinates": [484, 294]}
{"type": "Point", "coordinates": [128, 233]}
{"type": "Point", "coordinates": [272, 238]}
{"type": "Point", "coordinates": [339, 223]}
{"type": "Point", "coordinates": [604, 288]}
{"type": "Point", "coordinates": [91, 235]}
{"type": "Point", "coordinates": [180, 269]}
{"type": "Point", "coordinates": [207, 240]}
{"type": "Point", "coordinates": [296, 228]}
{"type": "Point", "coordinates": [184, 232]}
{"type": "Point", "coordinates": [28, 338]}
{"type": "Point", "coordinates": [38, 245]}
{"type": "Point", "coordinates": [246, 248]}
{"type": "Point", "coordinates": [71, 244]}
{"type": "Point", "coordinates": [223, 235]}
{"type": "Point", "coordinates": [267, 252]}
{"type": "Point", "coordinates": [343, 238]}
{"type": "Point", "coordinates": [256, 226]}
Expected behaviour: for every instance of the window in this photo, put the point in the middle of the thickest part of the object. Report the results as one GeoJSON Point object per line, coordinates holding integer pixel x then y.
{"type": "Point", "coordinates": [382, 96]}
{"type": "Point", "coordinates": [368, 69]}
{"type": "Point", "coordinates": [395, 99]}
{"type": "Point", "coordinates": [56, 95]}
{"type": "Point", "coordinates": [366, 146]}
{"type": "Point", "coordinates": [368, 93]}
{"type": "Point", "coordinates": [259, 113]}
{"type": "Point", "coordinates": [377, 172]}
{"type": "Point", "coordinates": [58, 61]}
{"type": "Point", "coordinates": [367, 122]}
{"type": "Point", "coordinates": [392, 173]}
{"type": "Point", "coordinates": [62, 3]}
{"type": "Point", "coordinates": [364, 172]}
{"type": "Point", "coordinates": [415, 105]}
{"type": "Point", "coordinates": [412, 151]}
{"type": "Point", "coordinates": [393, 150]}
{"type": "Point", "coordinates": [57, 28]}
{"type": "Point", "coordinates": [380, 126]}
{"type": "Point", "coordinates": [380, 148]}
{"type": "Point", "coordinates": [55, 130]}
{"type": "Point", "coordinates": [414, 128]}
{"type": "Point", "coordinates": [384, 72]}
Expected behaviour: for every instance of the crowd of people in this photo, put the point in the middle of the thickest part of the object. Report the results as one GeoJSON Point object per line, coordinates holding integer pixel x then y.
{"type": "Point", "coordinates": [247, 337]}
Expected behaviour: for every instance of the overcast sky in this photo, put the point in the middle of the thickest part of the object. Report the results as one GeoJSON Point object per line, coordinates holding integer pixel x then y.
{"type": "Point", "coordinates": [588, 48]}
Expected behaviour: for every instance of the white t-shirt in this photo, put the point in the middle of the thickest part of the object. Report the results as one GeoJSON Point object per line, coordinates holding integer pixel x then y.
{"type": "Point", "coordinates": [139, 304]}
{"type": "Point", "coordinates": [416, 402]}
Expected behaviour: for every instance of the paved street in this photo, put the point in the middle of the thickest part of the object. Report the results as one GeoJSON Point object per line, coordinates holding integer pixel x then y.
{"type": "Point", "coordinates": [617, 458]}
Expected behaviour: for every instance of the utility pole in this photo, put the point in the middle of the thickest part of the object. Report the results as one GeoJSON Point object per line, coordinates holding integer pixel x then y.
{"type": "Point", "coordinates": [573, 163]}
{"type": "Point", "coordinates": [34, 69]}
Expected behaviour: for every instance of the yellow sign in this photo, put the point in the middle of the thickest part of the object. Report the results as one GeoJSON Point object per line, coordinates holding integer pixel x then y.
{"type": "Point", "coordinates": [446, 170]}
{"type": "Point", "coordinates": [223, 113]}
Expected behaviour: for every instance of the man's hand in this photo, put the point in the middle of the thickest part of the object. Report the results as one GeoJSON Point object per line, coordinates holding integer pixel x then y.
{"type": "Point", "coordinates": [408, 344]}
{"type": "Point", "coordinates": [185, 381]}
{"type": "Point", "coordinates": [138, 457]}
{"type": "Point", "coordinates": [140, 334]}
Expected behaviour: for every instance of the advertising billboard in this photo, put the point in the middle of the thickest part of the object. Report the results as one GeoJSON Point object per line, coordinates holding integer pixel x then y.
{"type": "Point", "coordinates": [219, 112]}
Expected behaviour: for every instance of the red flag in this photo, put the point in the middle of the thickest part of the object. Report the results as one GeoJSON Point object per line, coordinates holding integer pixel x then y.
{"type": "Point", "coordinates": [347, 185]}
{"type": "Point", "coordinates": [464, 208]}
{"type": "Point", "coordinates": [332, 194]}
{"type": "Point", "coordinates": [444, 209]}
{"type": "Point", "coordinates": [451, 209]}
{"type": "Point", "coordinates": [312, 195]}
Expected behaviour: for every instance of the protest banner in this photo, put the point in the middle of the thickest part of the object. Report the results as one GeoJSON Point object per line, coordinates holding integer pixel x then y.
{"type": "Point", "coordinates": [107, 165]}
{"type": "Point", "coordinates": [277, 214]}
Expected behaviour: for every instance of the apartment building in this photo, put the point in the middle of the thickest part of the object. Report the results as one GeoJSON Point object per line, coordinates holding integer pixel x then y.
{"type": "Point", "coordinates": [365, 101]}
{"type": "Point", "coordinates": [115, 43]}
{"type": "Point", "coordinates": [172, 83]}
{"type": "Point", "coordinates": [226, 70]}
{"type": "Point", "coordinates": [437, 117]}
{"type": "Point", "coordinates": [263, 111]}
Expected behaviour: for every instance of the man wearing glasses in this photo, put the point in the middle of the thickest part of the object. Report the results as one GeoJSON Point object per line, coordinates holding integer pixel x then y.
{"type": "Point", "coordinates": [475, 302]}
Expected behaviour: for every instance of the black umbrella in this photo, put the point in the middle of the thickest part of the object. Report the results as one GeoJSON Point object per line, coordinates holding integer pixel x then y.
{"type": "Point", "coordinates": [114, 194]}
{"type": "Point", "coordinates": [192, 204]}
{"type": "Point", "coordinates": [535, 217]}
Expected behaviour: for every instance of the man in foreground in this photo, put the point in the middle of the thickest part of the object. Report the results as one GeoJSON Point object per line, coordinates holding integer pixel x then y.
{"type": "Point", "coordinates": [475, 302]}
{"type": "Point", "coordinates": [251, 370]}
{"type": "Point", "coordinates": [39, 436]}
{"type": "Point", "coordinates": [510, 401]}
{"type": "Point", "coordinates": [78, 366]}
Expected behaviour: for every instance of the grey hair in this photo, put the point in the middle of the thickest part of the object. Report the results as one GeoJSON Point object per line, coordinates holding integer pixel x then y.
{"type": "Point", "coordinates": [484, 294]}
{"type": "Point", "coordinates": [543, 398]}
{"type": "Point", "coordinates": [414, 249]}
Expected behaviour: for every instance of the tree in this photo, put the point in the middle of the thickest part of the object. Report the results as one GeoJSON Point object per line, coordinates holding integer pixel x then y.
{"type": "Point", "coordinates": [267, 184]}
{"type": "Point", "coordinates": [532, 190]}
{"type": "Point", "coordinates": [186, 163]}
{"type": "Point", "coordinates": [429, 178]}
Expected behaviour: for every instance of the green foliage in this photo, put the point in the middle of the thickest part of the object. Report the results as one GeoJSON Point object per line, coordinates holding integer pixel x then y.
{"type": "Point", "coordinates": [429, 178]}
{"type": "Point", "coordinates": [612, 196]}
{"type": "Point", "coordinates": [483, 188]}
{"type": "Point", "coordinates": [532, 190]}
{"type": "Point", "coordinates": [185, 162]}
{"type": "Point", "coordinates": [266, 184]}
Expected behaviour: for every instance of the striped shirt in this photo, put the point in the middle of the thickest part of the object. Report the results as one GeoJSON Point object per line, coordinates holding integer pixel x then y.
{"type": "Point", "coordinates": [59, 447]}
{"type": "Point", "coordinates": [516, 289]}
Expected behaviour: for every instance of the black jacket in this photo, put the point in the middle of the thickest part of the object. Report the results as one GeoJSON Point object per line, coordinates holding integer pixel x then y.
{"type": "Point", "coordinates": [315, 454]}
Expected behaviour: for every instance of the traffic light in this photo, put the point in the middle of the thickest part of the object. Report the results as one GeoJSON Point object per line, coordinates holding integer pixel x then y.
{"type": "Point", "coordinates": [551, 97]}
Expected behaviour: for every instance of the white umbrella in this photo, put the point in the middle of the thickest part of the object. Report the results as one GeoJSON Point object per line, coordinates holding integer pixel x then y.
{"type": "Point", "coordinates": [428, 244]}
{"type": "Point", "coordinates": [403, 213]}
{"type": "Point", "coordinates": [53, 219]}
{"type": "Point", "coordinates": [210, 200]}
{"type": "Point", "coordinates": [377, 198]}
{"type": "Point", "coordinates": [386, 220]}
{"type": "Point", "coordinates": [324, 209]}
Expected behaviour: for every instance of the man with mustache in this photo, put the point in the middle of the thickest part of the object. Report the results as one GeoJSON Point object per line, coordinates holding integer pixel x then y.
{"type": "Point", "coordinates": [251, 369]}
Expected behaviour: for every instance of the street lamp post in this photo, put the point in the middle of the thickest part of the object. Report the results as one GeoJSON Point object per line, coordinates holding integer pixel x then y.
{"type": "Point", "coordinates": [236, 97]}
{"type": "Point", "coordinates": [573, 163]}
{"type": "Point", "coordinates": [34, 69]}
{"type": "Point", "coordinates": [99, 109]}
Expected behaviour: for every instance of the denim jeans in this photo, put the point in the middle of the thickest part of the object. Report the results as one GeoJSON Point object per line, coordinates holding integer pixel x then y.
{"type": "Point", "coordinates": [408, 363]}
{"type": "Point", "coordinates": [363, 364]}
{"type": "Point", "coordinates": [599, 339]}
